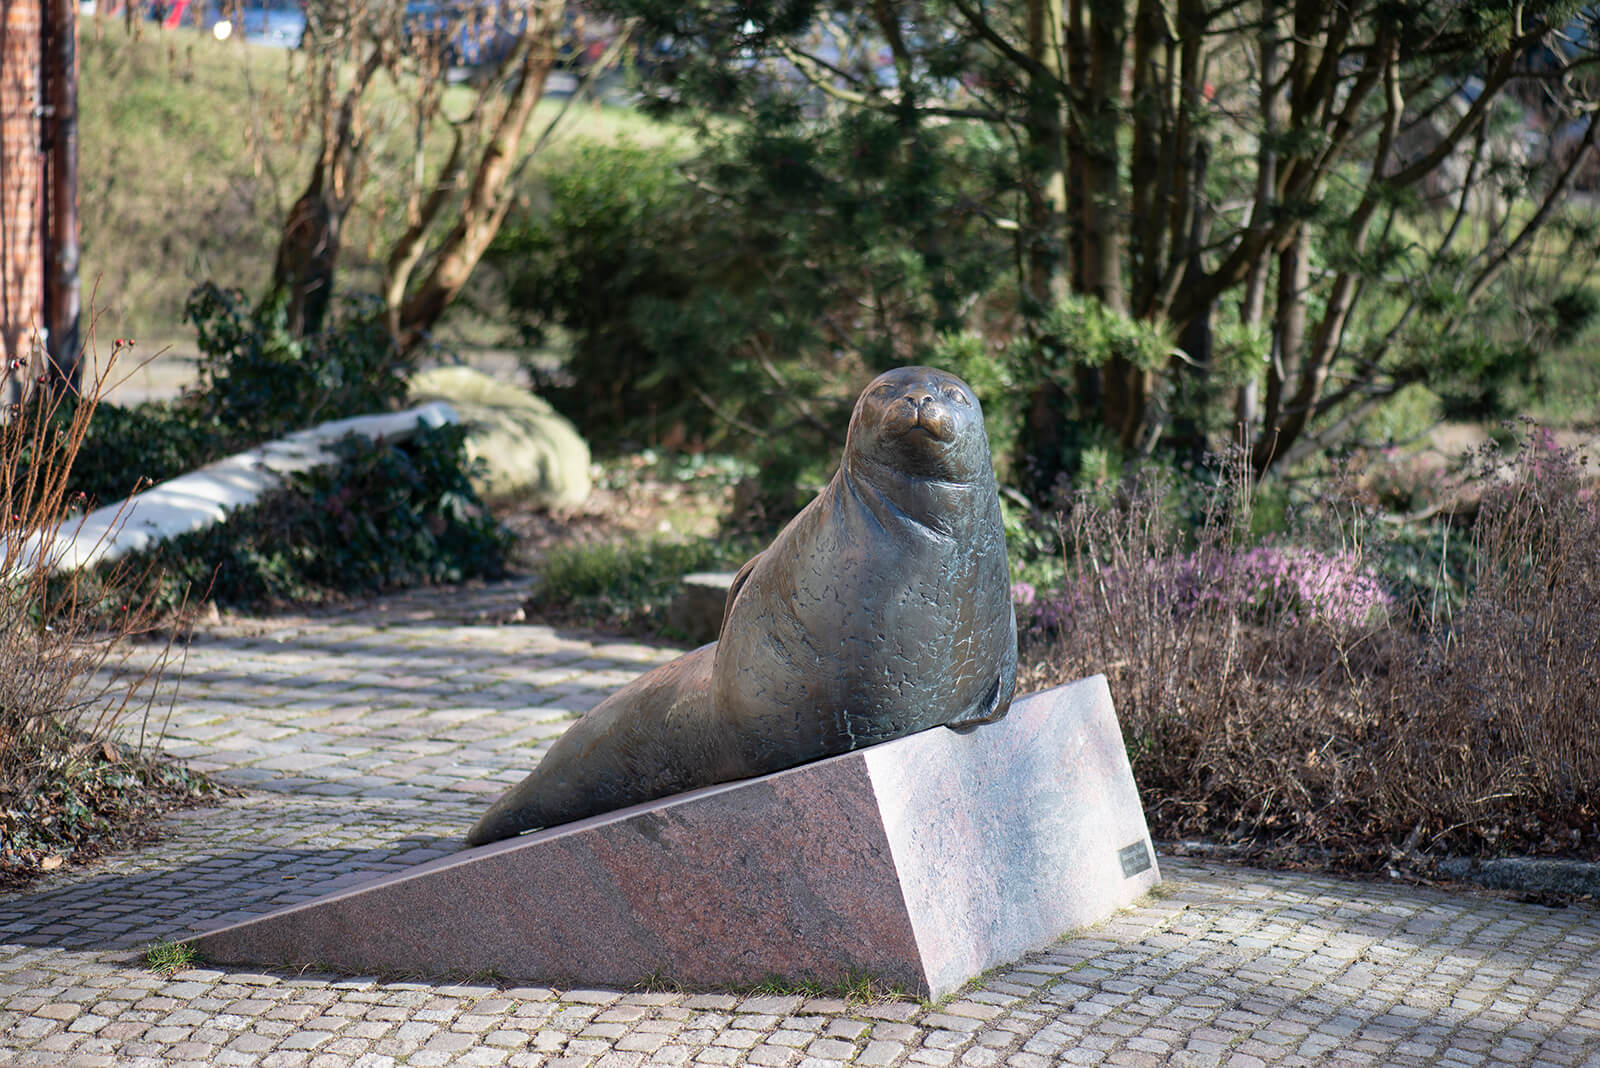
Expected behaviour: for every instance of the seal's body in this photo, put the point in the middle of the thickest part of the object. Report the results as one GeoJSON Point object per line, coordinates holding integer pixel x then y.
{"type": "Point", "coordinates": [882, 609]}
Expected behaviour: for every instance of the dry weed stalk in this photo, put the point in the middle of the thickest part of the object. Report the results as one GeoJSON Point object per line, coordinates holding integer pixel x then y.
{"type": "Point", "coordinates": [1496, 739]}
{"type": "Point", "coordinates": [1221, 691]}
{"type": "Point", "coordinates": [69, 688]}
{"type": "Point", "coordinates": [1344, 726]}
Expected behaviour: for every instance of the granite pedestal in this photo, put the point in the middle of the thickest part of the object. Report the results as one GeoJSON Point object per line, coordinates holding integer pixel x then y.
{"type": "Point", "coordinates": [922, 862]}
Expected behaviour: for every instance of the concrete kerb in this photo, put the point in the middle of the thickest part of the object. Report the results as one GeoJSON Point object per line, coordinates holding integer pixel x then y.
{"type": "Point", "coordinates": [1526, 875]}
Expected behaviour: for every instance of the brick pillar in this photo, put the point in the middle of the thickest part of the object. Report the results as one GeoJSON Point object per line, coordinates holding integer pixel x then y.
{"type": "Point", "coordinates": [21, 178]}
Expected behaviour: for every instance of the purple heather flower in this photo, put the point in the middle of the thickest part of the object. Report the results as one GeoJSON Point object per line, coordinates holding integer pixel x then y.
{"type": "Point", "coordinates": [1289, 585]}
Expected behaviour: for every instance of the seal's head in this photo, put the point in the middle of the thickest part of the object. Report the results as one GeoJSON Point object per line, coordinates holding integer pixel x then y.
{"type": "Point", "coordinates": [919, 422]}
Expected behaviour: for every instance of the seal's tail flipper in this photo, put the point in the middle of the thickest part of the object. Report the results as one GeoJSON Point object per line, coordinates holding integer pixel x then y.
{"type": "Point", "coordinates": [654, 737]}
{"type": "Point", "coordinates": [501, 821]}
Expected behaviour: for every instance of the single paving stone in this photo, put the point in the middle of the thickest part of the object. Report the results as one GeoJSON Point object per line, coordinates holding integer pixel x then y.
{"type": "Point", "coordinates": [936, 1057]}
{"type": "Point", "coordinates": [626, 1013]}
{"type": "Point", "coordinates": [507, 1038]}
{"type": "Point", "coordinates": [304, 1039]}
{"type": "Point", "coordinates": [849, 1030]}
{"type": "Point", "coordinates": [58, 1011]}
{"type": "Point", "coordinates": [945, 1039]}
{"type": "Point", "coordinates": [1027, 1060]}
{"type": "Point", "coordinates": [880, 1052]}
{"type": "Point", "coordinates": [831, 1049]}
{"type": "Point", "coordinates": [286, 1059]}
{"type": "Point", "coordinates": [587, 1047]}
{"type": "Point", "coordinates": [974, 1008]}
{"type": "Point", "coordinates": [775, 1005]}
{"type": "Point", "coordinates": [738, 1038]}
{"type": "Point", "coordinates": [791, 1038]}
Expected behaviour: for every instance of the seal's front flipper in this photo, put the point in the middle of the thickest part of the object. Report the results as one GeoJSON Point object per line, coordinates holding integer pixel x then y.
{"type": "Point", "coordinates": [997, 702]}
{"type": "Point", "coordinates": [993, 707]}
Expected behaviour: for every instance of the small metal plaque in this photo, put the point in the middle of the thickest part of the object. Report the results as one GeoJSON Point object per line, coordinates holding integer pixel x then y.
{"type": "Point", "coordinates": [1135, 858]}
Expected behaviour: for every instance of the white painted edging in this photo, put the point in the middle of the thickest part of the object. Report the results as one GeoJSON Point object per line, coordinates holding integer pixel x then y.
{"type": "Point", "coordinates": [206, 496]}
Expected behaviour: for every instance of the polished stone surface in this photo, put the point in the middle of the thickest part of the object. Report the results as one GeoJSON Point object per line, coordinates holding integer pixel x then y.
{"type": "Point", "coordinates": [1012, 834]}
{"type": "Point", "coordinates": [923, 861]}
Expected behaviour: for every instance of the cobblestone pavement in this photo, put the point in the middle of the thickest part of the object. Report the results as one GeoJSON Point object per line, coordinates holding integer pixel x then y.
{"type": "Point", "coordinates": [368, 740]}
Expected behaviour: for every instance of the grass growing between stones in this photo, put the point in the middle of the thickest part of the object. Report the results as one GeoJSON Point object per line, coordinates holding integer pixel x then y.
{"type": "Point", "coordinates": [166, 958]}
{"type": "Point", "coordinates": [1283, 700]}
{"type": "Point", "coordinates": [658, 982]}
{"type": "Point", "coordinates": [78, 719]}
{"type": "Point", "coordinates": [851, 987]}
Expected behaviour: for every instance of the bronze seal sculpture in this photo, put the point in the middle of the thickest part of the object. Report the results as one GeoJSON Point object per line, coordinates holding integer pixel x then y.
{"type": "Point", "coordinates": [882, 609]}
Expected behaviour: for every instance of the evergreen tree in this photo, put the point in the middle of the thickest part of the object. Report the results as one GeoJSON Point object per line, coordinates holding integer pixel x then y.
{"type": "Point", "coordinates": [1293, 208]}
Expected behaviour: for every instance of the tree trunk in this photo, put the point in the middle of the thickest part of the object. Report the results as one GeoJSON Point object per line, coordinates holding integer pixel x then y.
{"type": "Point", "coordinates": [1104, 221]}
{"type": "Point", "coordinates": [1288, 342]}
{"type": "Point", "coordinates": [487, 197]}
{"type": "Point", "coordinates": [1252, 309]}
{"type": "Point", "coordinates": [1045, 182]}
{"type": "Point", "coordinates": [1104, 225]}
{"type": "Point", "coordinates": [308, 249]}
{"type": "Point", "coordinates": [1150, 193]}
{"type": "Point", "coordinates": [308, 253]}
{"type": "Point", "coordinates": [1045, 280]}
{"type": "Point", "coordinates": [62, 291]}
{"type": "Point", "coordinates": [1309, 369]}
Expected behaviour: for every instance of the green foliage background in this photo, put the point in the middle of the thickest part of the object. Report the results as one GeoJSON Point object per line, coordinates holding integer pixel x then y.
{"type": "Point", "coordinates": [386, 516]}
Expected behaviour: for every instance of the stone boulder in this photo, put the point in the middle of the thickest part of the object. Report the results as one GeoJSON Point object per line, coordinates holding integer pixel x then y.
{"type": "Point", "coordinates": [698, 607]}
{"type": "Point", "coordinates": [526, 446]}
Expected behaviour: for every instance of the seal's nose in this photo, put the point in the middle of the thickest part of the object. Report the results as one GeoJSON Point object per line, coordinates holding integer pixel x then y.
{"type": "Point", "coordinates": [922, 400]}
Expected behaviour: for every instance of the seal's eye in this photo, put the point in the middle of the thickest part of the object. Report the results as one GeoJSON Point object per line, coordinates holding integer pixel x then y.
{"type": "Point", "coordinates": [888, 389]}
{"type": "Point", "coordinates": [956, 395]}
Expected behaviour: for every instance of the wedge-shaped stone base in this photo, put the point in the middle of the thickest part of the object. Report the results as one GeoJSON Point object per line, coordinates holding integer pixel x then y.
{"type": "Point", "coordinates": [923, 862]}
